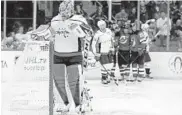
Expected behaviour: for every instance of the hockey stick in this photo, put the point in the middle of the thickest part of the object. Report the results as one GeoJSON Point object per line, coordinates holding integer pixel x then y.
{"type": "Point", "coordinates": [85, 98]}
{"type": "Point", "coordinates": [117, 70]}
{"type": "Point", "coordinates": [109, 73]}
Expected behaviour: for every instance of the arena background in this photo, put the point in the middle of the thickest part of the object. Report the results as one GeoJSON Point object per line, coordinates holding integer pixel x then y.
{"type": "Point", "coordinates": [32, 14]}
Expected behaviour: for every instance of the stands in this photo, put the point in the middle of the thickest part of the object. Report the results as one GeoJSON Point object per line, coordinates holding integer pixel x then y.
{"type": "Point", "coordinates": [134, 10]}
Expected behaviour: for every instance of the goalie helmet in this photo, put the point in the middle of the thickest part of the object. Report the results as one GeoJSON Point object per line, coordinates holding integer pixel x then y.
{"type": "Point", "coordinates": [66, 8]}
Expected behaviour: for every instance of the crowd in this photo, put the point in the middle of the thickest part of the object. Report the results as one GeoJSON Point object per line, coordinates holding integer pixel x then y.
{"type": "Point", "coordinates": [123, 12]}
{"type": "Point", "coordinates": [15, 39]}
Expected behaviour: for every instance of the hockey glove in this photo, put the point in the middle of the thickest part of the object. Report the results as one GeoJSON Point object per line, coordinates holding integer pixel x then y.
{"type": "Point", "coordinates": [111, 52]}
{"type": "Point", "coordinates": [97, 57]}
{"type": "Point", "coordinates": [154, 40]}
{"type": "Point", "coordinates": [140, 51]}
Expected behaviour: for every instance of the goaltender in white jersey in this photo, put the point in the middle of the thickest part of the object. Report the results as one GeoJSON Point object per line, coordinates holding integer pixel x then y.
{"type": "Point", "coordinates": [70, 30]}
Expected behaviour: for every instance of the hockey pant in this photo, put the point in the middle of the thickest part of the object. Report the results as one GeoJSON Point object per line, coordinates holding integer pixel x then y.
{"type": "Point", "coordinates": [124, 60]}
{"type": "Point", "coordinates": [106, 62]}
{"type": "Point", "coordinates": [70, 67]}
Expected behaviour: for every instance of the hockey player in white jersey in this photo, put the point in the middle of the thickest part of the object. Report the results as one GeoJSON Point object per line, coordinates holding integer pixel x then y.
{"type": "Point", "coordinates": [144, 40]}
{"type": "Point", "coordinates": [150, 26]}
{"type": "Point", "coordinates": [68, 58]}
{"type": "Point", "coordinates": [103, 48]}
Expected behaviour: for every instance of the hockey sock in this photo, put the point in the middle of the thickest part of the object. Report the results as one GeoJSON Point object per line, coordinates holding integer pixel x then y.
{"type": "Point", "coordinates": [135, 72]}
{"type": "Point", "coordinates": [112, 71]}
{"type": "Point", "coordinates": [141, 72]}
{"type": "Point", "coordinates": [127, 71]}
{"type": "Point", "coordinates": [122, 71]}
{"type": "Point", "coordinates": [103, 74]}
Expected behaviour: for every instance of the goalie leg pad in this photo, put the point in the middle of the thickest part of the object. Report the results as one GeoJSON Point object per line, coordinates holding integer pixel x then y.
{"type": "Point", "coordinates": [73, 80]}
{"type": "Point", "coordinates": [59, 78]}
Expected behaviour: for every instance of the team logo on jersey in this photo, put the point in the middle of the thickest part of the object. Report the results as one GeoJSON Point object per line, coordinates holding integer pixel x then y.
{"type": "Point", "coordinates": [63, 32]}
{"type": "Point", "coordinates": [123, 39]}
{"type": "Point", "coordinates": [175, 64]}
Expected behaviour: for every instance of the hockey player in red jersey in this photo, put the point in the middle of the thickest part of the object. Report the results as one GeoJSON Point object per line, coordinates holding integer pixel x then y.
{"type": "Point", "coordinates": [123, 43]}
{"type": "Point", "coordinates": [102, 46]}
{"type": "Point", "coordinates": [134, 45]}
{"type": "Point", "coordinates": [143, 40]}
{"type": "Point", "coordinates": [151, 33]}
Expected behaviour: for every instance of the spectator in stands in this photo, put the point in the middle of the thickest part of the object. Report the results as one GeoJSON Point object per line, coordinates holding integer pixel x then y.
{"type": "Point", "coordinates": [7, 43]}
{"type": "Point", "coordinates": [151, 9]}
{"type": "Point", "coordinates": [156, 16]}
{"type": "Point", "coordinates": [18, 36]}
{"type": "Point", "coordinates": [180, 10]}
{"type": "Point", "coordinates": [179, 34]}
{"type": "Point", "coordinates": [121, 17]}
{"type": "Point", "coordinates": [164, 26]}
{"type": "Point", "coordinates": [143, 14]}
{"type": "Point", "coordinates": [162, 6]}
{"type": "Point", "coordinates": [79, 10]}
{"type": "Point", "coordinates": [104, 7]}
{"type": "Point", "coordinates": [98, 15]}
{"type": "Point", "coordinates": [175, 13]}
{"type": "Point", "coordinates": [181, 18]}
{"type": "Point", "coordinates": [133, 15]}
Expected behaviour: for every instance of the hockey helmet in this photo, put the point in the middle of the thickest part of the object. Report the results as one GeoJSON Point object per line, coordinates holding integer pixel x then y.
{"type": "Point", "coordinates": [144, 27]}
{"type": "Point", "coordinates": [127, 24]}
{"type": "Point", "coordinates": [101, 23]}
{"type": "Point", "coordinates": [66, 8]}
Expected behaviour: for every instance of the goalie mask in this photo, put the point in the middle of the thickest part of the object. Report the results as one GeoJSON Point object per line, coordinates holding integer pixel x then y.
{"type": "Point", "coordinates": [66, 9]}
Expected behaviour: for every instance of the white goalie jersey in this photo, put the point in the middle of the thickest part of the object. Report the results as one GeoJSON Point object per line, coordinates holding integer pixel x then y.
{"type": "Point", "coordinates": [66, 41]}
{"type": "Point", "coordinates": [70, 33]}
